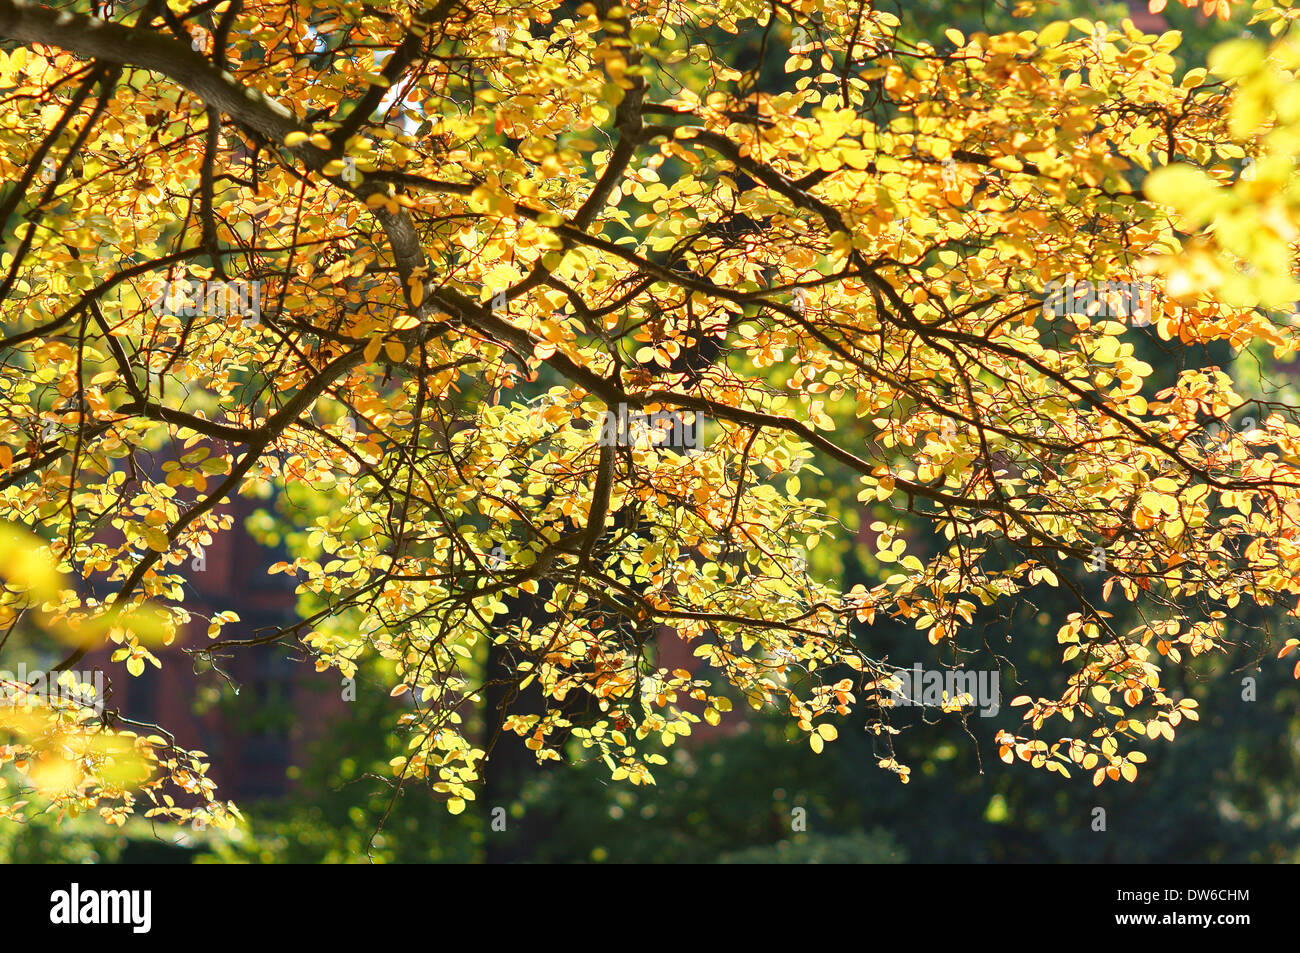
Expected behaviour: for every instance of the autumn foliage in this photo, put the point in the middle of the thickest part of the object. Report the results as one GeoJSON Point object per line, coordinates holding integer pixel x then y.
{"type": "Point", "coordinates": [478, 228]}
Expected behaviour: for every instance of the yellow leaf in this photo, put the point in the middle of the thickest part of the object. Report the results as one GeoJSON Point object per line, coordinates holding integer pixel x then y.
{"type": "Point", "coordinates": [24, 564]}
{"type": "Point", "coordinates": [1053, 33]}
{"type": "Point", "coordinates": [156, 540]}
{"type": "Point", "coordinates": [1174, 184]}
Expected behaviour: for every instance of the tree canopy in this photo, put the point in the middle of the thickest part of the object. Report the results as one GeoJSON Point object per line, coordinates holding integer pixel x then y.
{"type": "Point", "coordinates": [534, 324]}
